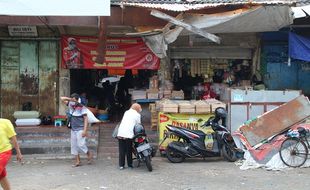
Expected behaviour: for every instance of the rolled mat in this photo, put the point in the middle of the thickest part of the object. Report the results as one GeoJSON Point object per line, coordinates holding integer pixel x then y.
{"type": "Point", "coordinates": [28, 122]}
{"type": "Point", "coordinates": [26, 114]}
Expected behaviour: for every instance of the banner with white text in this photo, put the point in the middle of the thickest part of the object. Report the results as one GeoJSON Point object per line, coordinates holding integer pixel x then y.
{"type": "Point", "coordinates": [79, 52]}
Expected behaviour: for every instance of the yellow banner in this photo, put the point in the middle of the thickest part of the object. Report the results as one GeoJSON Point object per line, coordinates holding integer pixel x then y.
{"type": "Point", "coordinates": [189, 121]}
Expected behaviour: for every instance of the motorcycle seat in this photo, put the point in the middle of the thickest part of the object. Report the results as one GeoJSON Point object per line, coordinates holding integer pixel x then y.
{"type": "Point", "coordinates": [200, 133]}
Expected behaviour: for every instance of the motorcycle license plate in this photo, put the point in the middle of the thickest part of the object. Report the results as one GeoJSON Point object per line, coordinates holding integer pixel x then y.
{"type": "Point", "coordinates": [143, 147]}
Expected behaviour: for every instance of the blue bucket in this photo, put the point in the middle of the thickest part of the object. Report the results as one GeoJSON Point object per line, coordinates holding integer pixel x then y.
{"type": "Point", "coordinates": [103, 117]}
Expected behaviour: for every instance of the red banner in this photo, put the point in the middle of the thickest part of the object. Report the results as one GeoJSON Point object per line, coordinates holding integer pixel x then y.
{"type": "Point", "coordinates": [80, 52]}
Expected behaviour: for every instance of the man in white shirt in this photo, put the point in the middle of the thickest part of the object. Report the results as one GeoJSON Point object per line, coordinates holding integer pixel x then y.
{"type": "Point", "coordinates": [125, 134]}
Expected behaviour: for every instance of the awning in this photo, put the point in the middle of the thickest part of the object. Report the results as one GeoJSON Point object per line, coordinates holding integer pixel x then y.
{"type": "Point", "coordinates": [255, 19]}
{"type": "Point", "coordinates": [55, 8]}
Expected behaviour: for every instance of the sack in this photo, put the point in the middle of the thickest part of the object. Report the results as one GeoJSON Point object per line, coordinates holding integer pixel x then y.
{"type": "Point", "coordinates": [115, 131]}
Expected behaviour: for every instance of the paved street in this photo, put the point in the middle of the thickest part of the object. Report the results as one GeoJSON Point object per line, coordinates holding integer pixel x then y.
{"type": "Point", "coordinates": [191, 175]}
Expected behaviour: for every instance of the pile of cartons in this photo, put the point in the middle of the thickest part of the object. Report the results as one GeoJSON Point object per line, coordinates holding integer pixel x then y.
{"type": "Point", "coordinates": [186, 107]}
{"type": "Point", "coordinates": [167, 106]}
{"type": "Point", "coordinates": [138, 94]}
{"type": "Point", "coordinates": [191, 107]}
{"type": "Point", "coordinates": [215, 104]}
{"type": "Point", "coordinates": [177, 95]}
{"type": "Point", "coordinates": [152, 93]}
{"type": "Point", "coordinates": [202, 107]}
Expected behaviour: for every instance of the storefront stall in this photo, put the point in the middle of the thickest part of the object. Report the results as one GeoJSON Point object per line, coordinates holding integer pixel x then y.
{"type": "Point", "coordinates": [110, 86]}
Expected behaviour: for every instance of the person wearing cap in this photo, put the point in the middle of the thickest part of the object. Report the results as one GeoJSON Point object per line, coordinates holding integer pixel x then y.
{"type": "Point", "coordinates": [125, 134]}
{"type": "Point", "coordinates": [7, 136]}
{"type": "Point", "coordinates": [79, 125]}
{"type": "Point", "coordinates": [72, 55]}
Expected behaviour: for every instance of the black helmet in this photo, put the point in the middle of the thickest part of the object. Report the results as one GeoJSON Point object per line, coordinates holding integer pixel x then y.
{"type": "Point", "coordinates": [138, 129]}
{"type": "Point", "coordinates": [220, 112]}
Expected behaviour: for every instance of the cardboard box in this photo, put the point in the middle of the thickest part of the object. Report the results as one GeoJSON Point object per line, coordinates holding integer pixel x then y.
{"type": "Point", "coordinates": [152, 95]}
{"type": "Point", "coordinates": [177, 95]}
{"type": "Point", "coordinates": [169, 107]}
{"type": "Point", "coordinates": [186, 107]}
{"type": "Point", "coordinates": [202, 107]}
{"type": "Point", "coordinates": [138, 94]}
{"type": "Point", "coordinates": [215, 104]}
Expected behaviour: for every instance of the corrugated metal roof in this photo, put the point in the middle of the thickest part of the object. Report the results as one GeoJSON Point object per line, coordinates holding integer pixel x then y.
{"type": "Point", "coordinates": [185, 5]}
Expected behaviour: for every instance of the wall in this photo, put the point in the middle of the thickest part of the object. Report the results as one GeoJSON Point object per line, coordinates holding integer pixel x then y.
{"type": "Point", "coordinates": [278, 72]}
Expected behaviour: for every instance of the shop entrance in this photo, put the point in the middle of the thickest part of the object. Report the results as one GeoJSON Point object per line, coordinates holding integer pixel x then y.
{"type": "Point", "coordinates": [108, 91]}
{"type": "Point", "coordinates": [204, 78]}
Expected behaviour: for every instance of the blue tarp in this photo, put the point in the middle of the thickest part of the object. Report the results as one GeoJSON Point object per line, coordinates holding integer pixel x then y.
{"type": "Point", "coordinates": [299, 47]}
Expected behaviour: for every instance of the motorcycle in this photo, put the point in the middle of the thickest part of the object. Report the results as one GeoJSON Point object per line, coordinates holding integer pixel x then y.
{"type": "Point", "coordinates": [191, 143]}
{"type": "Point", "coordinates": [142, 149]}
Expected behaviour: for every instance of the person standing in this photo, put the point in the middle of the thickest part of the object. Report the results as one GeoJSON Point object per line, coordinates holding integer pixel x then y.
{"type": "Point", "coordinates": [79, 125]}
{"type": "Point", "coordinates": [125, 134]}
{"type": "Point", "coordinates": [7, 135]}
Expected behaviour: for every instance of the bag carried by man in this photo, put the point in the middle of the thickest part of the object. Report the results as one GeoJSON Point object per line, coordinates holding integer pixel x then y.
{"type": "Point", "coordinates": [115, 131]}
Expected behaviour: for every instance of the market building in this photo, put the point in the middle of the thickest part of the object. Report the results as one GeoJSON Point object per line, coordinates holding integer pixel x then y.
{"type": "Point", "coordinates": [160, 49]}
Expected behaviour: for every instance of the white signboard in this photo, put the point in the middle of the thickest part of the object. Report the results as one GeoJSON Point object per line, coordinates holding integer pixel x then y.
{"type": "Point", "coordinates": [23, 31]}
{"type": "Point", "coordinates": [55, 7]}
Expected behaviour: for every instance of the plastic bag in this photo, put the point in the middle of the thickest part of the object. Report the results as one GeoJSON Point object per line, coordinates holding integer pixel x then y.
{"type": "Point", "coordinates": [115, 131]}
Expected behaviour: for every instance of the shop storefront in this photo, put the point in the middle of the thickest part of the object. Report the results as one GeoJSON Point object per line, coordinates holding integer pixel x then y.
{"type": "Point", "coordinates": [110, 86]}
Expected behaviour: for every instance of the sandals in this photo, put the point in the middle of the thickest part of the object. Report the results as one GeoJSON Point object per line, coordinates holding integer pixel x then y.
{"type": "Point", "coordinates": [76, 165]}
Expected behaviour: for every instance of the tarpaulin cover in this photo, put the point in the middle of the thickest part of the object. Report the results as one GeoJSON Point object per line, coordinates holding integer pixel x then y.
{"type": "Point", "coordinates": [299, 47]}
{"type": "Point", "coordinates": [121, 53]}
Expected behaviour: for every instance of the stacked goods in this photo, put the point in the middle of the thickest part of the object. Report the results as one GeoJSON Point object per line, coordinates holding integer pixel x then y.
{"type": "Point", "coordinates": [215, 104]}
{"type": "Point", "coordinates": [168, 106]}
{"type": "Point", "coordinates": [186, 107]}
{"type": "Point", "coordinates": [27, 118]}
{"type": "Point", "coordinates": [152, 93]}
{"type": "Point", "coordinates": [154, 116]}
{"type": "Point", "coordinates": [138, 94]}
{"type": "Point", "coordinates": [167, 93]}
{"type": "Point", "coordinates": [178, 95]}
{"type": "Point", "coordinates": [202, 107]}
{"type": "Point", "coordinates": [153, 82]}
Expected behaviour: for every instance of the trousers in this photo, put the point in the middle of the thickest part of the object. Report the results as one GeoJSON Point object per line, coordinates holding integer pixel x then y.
{"type": "Point", "coordinates": [125, 149]}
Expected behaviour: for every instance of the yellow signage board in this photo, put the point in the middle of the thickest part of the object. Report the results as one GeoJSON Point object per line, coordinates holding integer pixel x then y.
{"type": "Point", "coordinates": [189, 121]}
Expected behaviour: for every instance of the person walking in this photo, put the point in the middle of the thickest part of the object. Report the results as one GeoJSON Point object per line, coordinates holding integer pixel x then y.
{"type": "Point", "coordinates": [7, 135]}
{"type": "Point", "coordinates": [79, 125]}
{"type": "Point", "coordinates": [125, 134]}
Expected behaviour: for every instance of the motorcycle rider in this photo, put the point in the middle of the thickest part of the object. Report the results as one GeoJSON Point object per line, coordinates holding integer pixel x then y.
{"type": "Point", "coordinates": [126, 133]}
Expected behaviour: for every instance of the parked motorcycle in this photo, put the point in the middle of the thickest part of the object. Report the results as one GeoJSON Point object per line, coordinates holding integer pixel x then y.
{"type": "Point", "coordinates": [191, 143]}
{"type": "Point", "coordinates": [142, 148]}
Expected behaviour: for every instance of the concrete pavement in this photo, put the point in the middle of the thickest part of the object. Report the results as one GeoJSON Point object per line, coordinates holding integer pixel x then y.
{"type": "Point", "coordinates": [191, 175]}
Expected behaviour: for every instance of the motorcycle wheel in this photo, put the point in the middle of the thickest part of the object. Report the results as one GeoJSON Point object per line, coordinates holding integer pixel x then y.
{"type": "Point", "coordinates": [148, 163]}
{"type": "Point", "coordinates": [228, 154]}
{"type": "Point", "coordinates": [174, 157]}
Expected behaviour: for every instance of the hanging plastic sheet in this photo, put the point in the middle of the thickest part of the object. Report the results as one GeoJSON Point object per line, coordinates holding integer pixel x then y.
{"type": "Point", "coordinates": [299, 47]}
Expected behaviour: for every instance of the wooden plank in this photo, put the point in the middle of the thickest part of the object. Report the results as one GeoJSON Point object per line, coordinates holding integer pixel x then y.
{"type": "Point", "coordinates": [189, 27]}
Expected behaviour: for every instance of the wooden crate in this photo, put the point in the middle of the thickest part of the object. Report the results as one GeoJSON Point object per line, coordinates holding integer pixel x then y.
{"type": "Point", "coordinates": [186, 107]}
{"type": "Point", "coordinates": [202, 107]}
